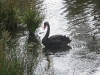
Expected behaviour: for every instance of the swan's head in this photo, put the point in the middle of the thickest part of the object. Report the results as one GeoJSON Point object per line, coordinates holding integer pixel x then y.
{"type": "Point", "coordinates": [45, 24]}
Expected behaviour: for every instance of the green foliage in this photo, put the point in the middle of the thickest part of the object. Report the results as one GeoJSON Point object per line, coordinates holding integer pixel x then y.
{"type": "Point", "coordinates": [8, 14]}
{"type": "Point", "coordinates": [10, 66]}
{"type": "Point", "coordinates": [9, 63]}
{"type": "Point", "coordinates": [32, 18]}
{"type": "Point", "coordinates": [13, 12]}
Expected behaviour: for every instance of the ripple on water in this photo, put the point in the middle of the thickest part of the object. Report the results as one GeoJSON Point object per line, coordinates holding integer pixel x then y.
{"type": "Point", "coordinates": [73, 18]}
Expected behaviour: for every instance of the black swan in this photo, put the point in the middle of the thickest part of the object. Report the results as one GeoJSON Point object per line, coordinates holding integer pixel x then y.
{"type": "Point", "coordinates": [54, 41]}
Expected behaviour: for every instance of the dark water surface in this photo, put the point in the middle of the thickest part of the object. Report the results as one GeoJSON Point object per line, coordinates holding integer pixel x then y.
{"type": "Point", "coordinates": [78, 19]}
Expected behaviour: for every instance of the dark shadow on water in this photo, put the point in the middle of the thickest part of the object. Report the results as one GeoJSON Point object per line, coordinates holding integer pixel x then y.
{"type": "Point", "coordinates": [33, 43]}
{"type": "Point", "coordinates": [32, 54]}
{"type": "Point", "coordinates": [56, 50]}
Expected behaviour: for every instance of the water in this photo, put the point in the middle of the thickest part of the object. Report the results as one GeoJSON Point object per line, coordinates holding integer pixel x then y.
{"type": "Point", "coordinates": [77, 19]}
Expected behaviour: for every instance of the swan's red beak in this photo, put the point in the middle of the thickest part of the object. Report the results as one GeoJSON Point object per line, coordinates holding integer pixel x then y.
{"type": "Point", "coordinates": [44, 26]}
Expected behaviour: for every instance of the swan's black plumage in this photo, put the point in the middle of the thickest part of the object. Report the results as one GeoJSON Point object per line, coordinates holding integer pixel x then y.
{"type": "Point", "coordinates": [54, 41]}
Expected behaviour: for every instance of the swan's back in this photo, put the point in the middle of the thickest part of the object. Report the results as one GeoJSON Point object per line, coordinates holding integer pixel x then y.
{"type": "Point", "coordinates": [58, 41]}
{"type": "Point", "coordinates": [61, 38]}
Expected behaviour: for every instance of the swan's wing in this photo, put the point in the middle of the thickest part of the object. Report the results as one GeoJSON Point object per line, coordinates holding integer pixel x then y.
{"type": "Point", "coordinates": [60, 38]}
{"type": "Point", "coordinates": [54, 43]}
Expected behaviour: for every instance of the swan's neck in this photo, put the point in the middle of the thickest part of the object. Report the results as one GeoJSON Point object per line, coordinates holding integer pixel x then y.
{"type": "Point", "coordinates": [45, 39]}
{"type": "Point", "coordinates": [47, 33]}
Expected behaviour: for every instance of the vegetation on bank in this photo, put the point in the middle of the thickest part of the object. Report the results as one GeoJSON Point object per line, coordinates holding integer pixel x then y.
{"type": "Point", "coordinates": [13, 12]}
{"type": "Point", "coordinates": [9, 63]}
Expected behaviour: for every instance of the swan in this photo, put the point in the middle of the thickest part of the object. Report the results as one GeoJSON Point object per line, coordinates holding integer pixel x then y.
{"type": "Point", "coordinates": [55, 40]}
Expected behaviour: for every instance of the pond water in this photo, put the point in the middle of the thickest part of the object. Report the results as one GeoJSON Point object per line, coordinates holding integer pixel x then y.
{"type": "Point", "coordinates": [77, 19]}
{"type": "Point", "coordinates": [80, 21]}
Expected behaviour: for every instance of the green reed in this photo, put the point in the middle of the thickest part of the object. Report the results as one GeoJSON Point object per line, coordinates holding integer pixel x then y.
{"type": "Point", "coordinates": [9, 63]}
{"type": "Point", "coordinates": [13, 12]}
{"type": "Point", "coordinates": [32, 17]}
{"type": "Point", "coordinates": [8, 15]}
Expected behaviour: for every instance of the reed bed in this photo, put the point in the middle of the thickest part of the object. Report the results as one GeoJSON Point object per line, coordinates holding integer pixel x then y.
{"type": "Point", "coordinates": [13, 12]}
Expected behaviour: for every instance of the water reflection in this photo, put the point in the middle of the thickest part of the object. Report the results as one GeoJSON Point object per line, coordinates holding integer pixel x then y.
{"type": "Point", "coordinates": [32, 55]}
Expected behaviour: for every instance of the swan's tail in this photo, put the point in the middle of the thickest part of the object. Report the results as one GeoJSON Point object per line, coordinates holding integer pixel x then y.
{"type": "Point", "coordinates": [68, 40]}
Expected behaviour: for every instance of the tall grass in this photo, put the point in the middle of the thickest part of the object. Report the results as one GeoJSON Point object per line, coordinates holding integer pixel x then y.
{"type": "Point", "coordinates": [9, 63]}
{"type": "Point", "coordinates": [8, 14]}
{"type": "Point", "coordinates": [13, 12]}
{"type": "Point", "coordinates": [32, 17]}
{"type": "Point", "coordinates": [32, 20]}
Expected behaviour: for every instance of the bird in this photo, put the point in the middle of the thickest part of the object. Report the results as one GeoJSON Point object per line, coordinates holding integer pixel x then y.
{"type": "Point", "coordinates": [55, 40]}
